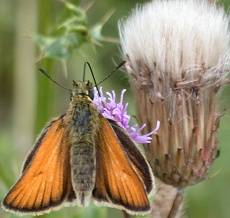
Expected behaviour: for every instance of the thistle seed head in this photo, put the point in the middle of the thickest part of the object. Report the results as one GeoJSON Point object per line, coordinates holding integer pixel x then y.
{"type": "Point", "coordinates": [177, 55]}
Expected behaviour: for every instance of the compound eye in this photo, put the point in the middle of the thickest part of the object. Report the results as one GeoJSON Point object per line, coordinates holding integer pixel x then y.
{"type": "Point", "coordinates": [75, 83]}
{"type": "Point", "coordinates": [91, 93]}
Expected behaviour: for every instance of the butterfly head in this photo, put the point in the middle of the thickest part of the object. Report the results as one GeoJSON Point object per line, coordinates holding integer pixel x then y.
{"type": "Point", "coordinates": [82, 88]}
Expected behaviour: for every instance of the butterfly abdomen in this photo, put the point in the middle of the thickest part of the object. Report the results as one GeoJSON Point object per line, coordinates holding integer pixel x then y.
{"type": "Point", "coordinates": [83, 154]}
{"type": "Point", "coordinates": [83, 170]}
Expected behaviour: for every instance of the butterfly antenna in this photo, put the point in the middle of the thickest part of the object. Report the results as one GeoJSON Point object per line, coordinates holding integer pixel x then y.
{"type": "Point", "coordinates": [51, 79]}
{"type": "Point", "coordinates": [111, 73]}
{"type": "Point", "coordinates": [85, 64]}
{"type": "Point", "coordinates": [91, 71]}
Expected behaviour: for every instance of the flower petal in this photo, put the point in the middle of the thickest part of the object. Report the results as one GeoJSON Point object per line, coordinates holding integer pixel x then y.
{"type": "Point", "coordinates": [110, 109]}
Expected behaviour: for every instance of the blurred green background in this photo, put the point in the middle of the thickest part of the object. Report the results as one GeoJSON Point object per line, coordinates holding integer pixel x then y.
{"type": "Point", "coordinates": [28, 99]}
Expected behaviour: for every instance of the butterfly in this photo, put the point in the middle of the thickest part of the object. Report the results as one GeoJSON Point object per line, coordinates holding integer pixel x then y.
{"type": "Point", "coordinates": [78, 157]}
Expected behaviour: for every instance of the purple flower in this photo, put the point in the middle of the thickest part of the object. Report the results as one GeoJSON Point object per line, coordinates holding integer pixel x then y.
{"type": "Point", "coordinates": [110, 109]}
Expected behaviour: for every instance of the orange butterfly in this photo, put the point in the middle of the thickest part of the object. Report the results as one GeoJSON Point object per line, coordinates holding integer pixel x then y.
{"type": "Point", "coordinates": [81, 156]}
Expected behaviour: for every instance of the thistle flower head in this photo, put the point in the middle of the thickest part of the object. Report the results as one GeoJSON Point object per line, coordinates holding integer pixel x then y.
{"type": "Point", "coordinates": [110, 108]}
{"type": "Point", "coordinates": [177, 56]}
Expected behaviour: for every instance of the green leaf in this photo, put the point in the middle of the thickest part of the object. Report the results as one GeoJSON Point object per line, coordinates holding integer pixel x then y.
{"type": "Point", "coordinates": [72, 24]}
{"type": "Point", "coordinates": [96, 31]}
{"type": "Point", "coordinates": [98, 37]}
{"type": "Point", "coordinates": [68, 23]}
{"type": "Point", "coordinates": [59, 47]}
{"type": "Point", "coordinates": [78, 12]}
{"type": "Point", "coordinates": [72, 33]}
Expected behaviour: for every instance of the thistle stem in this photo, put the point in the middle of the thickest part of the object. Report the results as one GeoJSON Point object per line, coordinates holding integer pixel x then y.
{"type": "Point", "coordinates": [167, 201]}
{"type": "Point", "coordinates": [176, 206]}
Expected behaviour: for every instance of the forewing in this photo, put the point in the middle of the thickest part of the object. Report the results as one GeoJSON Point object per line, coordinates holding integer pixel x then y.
{"type": "Point", "coordinates": [118, 182]}
{"type": "Point", "coordinates": [138, 160]}
{"type": "Point", "coordinates": [46, 180]}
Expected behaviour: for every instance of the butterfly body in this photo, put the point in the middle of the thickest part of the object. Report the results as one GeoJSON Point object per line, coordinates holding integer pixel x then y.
{"type": "Point", "coordinates": [78, 157]}
{"type": "Point", "coordinates": [84, 126]}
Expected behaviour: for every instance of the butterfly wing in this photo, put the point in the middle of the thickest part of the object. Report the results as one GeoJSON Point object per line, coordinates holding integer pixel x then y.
{"type": "Point", "coordinates": [138, 160]}
{"type": "Point", "coordinates": [120, 180]}
{"type": "Point", "coordinates": [46, 179]}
